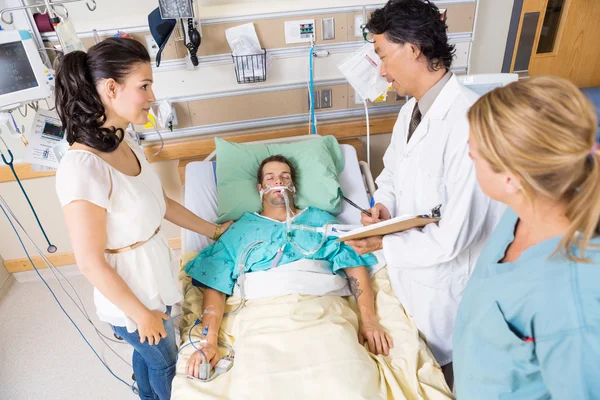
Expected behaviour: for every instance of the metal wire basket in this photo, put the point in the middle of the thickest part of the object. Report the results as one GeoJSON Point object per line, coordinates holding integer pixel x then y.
{"type": "Point", "coordinates": [251, 68]}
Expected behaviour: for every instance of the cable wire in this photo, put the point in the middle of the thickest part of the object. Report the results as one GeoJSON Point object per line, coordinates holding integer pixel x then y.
{"type": "Point", "coordinates": [311, 90]}
{"type": "Point", "coordinates": [58, 301]}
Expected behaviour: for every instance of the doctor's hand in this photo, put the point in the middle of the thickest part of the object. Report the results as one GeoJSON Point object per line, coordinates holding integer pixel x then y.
{"type": "Point", "coordinates": [378, 340]}
{"type": "Point", "coordinates": [367, 245]}
{"type": "Point", "coordinates": [379, 213]}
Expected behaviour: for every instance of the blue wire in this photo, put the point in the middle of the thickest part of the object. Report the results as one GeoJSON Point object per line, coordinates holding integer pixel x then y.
{"type": "Point", "coordinates": [190, 344]}
{"type": "Point", "coordinates": [12, 168]}
{"type": "Point", "coordinates": [59, 303]}
{"type": "Point", "coordinates": [14, 122]}
{"type": "Point", "coordinates": [312, 92]}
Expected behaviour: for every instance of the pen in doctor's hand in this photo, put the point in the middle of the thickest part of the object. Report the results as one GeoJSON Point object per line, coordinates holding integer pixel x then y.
{"type": "Point", "coordinates": [353, 204]}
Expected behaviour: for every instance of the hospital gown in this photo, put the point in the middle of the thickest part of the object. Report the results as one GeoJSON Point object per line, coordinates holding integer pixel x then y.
{"type": "Point", "coordinates": [217, 266]}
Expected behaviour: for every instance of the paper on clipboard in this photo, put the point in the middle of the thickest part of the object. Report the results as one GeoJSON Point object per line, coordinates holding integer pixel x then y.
{"type": "Point", "coordinates": [394, 225]}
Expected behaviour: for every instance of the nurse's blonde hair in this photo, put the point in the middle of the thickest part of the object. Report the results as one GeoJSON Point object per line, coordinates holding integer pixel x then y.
{"type": "Point", "coordinates": [543, 130]}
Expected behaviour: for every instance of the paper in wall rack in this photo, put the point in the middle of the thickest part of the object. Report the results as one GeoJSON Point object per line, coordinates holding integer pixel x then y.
{"type": "Point", "coordinates": [251, 68]}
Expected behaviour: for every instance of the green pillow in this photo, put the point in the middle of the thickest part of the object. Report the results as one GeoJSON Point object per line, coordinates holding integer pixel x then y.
{"type": "Point", "coordinates": [318, 163]}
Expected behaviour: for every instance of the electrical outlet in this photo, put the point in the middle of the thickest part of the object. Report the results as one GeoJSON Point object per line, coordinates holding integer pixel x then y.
{"type": "Point", "coordinates": [300, 31]}
{"type": "Point", "coordinates": [319, 99]}
{"type": "Point", "coordinates": [325, 95]}
{"type": "Point", "coordinates": [358, 22]}
{"type": "Point", "coordinates": [357, 98]}
{"type": "Point", "coordinates": [328, 28]}
{"type": "Point", "coordinates": [151, 46]}
{"type": "Point", "coordinates": [175, 122]}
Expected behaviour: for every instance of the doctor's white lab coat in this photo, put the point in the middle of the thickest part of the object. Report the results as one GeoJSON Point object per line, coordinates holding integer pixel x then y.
{"type": "Point", "coordinates": [429, 267]}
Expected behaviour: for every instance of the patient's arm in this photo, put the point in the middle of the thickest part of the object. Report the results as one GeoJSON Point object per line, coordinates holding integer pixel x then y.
{"type": "Point", "coordinates": [214, 308]}
{"type": "Point", "coordinates": [360, 285]}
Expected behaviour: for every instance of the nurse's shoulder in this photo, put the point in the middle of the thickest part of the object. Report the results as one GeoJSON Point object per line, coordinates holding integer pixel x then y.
{"type": "Point", "coordinates": [570, 299]}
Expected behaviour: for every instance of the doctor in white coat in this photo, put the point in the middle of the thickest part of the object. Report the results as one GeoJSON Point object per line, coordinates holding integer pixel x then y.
{"type": "Point", "coordinates": [427, 164]}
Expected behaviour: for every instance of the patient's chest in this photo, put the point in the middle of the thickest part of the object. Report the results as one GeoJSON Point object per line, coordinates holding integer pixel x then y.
{"type": "Point", "coordinates": [260, 243]}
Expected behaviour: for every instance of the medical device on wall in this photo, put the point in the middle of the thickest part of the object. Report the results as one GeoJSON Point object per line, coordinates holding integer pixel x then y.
{"type": "Point", "coordinates": [361, 69]}
{"type": "Point", "coordinates": [483, 83]}
{"type": "Point", "coordinates": [194, 40]}
{"type": "Point", "coordinates": [23, 75]}
{"type": "Point", "coordinates": [176, 9]}
{"type": "Point", "coordinates": [47, 142]}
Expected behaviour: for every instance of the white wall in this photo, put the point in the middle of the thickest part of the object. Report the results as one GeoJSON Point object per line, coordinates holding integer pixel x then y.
{"type": "Point", "coordinates": [491, 33]}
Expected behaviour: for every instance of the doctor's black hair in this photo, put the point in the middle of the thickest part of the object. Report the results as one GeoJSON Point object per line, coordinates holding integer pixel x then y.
{"type": "Point", "coordinates": [417, 22]}
{"type": "Point", "coordinates": [275, 158]}
{"type": "Point", "coordinates": [78, 103]}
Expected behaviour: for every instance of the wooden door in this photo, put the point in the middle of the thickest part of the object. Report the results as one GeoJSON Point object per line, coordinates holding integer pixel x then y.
{"type": "Point", "coordinates": [559, 37]}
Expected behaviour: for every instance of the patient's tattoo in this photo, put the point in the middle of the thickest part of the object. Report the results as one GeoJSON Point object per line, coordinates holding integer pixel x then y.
{"type": "Point", "coordinates": [354, 287]}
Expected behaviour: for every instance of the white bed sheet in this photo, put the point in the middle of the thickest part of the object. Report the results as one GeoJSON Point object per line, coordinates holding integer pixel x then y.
{"type": "Point", "coordinates": [200, 195]}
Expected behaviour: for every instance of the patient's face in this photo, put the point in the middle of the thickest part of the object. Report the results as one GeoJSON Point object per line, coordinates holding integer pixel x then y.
{"type": "Point", "coordinates": [276, 174]}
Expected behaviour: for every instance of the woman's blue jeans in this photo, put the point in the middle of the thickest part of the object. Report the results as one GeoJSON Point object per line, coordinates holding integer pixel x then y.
{"type": "Point", "coordinates": [153, 365]}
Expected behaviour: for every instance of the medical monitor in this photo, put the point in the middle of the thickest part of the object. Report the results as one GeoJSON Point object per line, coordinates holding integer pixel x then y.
{"type": "Point", "coordinates": [483, 83]}
{"type": "Point", "coordinates": [23, 75]}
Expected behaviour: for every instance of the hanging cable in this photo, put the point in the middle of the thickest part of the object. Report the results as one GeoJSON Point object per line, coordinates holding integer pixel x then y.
{"type": "Point", "coordinates": [132, 386]}
{"type": "Point", "coordinates": [162, 141]}
{"type": "Point", "coordinates": [51, 248]}
{"type": "Point", "coordinates": [80, 306]}
{"type": "Point", "coordinates": [311, 89]}
{"type": "Point", "coordinates": [368, 134]}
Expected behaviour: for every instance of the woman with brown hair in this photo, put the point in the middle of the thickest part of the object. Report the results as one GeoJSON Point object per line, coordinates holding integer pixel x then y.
{"type": "Point", "coordinates": [529, 322]}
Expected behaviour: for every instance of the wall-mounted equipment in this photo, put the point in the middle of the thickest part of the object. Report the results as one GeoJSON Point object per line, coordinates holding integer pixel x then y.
{"type": "Point", "coordinates": [300, 31]}
{"type": "Point", "coordinates": [328, 28]}
{"type": "Point", "coordinates": [194, 40]}
{"type": "Point", "coordinates": [251, 68]}
{"type": "Point", "coordinates": [23, 75]}
{"type": "Point", "coordinates": [323, 99]}
{"type": "Point", "coordinates": [7, 17]}
{"type": "Point", "coordinates": [176, 9]}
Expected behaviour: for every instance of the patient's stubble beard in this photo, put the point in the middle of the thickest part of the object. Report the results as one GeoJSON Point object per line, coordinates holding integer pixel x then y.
{"type": "Point", "coordinates": [276, 201]}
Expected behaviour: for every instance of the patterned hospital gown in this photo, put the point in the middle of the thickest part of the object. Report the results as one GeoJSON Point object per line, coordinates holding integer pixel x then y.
{"type": "Point", "coordinates": [217, 266]}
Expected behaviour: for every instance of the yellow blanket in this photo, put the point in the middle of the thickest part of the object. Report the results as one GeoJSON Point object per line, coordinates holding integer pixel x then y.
{"type": "Point", "coordinates": [306, 347]}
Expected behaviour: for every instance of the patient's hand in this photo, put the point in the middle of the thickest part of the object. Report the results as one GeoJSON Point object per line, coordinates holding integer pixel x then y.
{"type": "Point", "coordinates": [211, 351]}
{"type": "Point", "coordinates": [378, 340]}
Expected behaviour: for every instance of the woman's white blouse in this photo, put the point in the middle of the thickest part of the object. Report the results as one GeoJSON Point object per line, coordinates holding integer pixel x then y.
{"type": "Point", "coordinates": [135, 207]}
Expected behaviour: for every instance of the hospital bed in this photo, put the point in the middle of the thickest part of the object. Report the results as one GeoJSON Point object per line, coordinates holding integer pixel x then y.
{"type": "Point", "coordinates": [299, 346]}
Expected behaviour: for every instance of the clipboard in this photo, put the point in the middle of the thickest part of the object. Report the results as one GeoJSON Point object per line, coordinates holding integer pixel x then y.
{"type": "Point", "coordinates": [394, 225]}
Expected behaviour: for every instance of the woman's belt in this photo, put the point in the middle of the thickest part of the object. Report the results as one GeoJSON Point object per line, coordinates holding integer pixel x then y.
{"type": "Point", "coordinates": [133, 246]}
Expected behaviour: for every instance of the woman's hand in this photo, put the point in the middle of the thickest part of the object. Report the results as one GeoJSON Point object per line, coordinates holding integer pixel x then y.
{"type": "Point", "coordinates": [211, 351]}
{"type": "Point", "coordinates": [151, 327]}
{"type": "Point", "coordinates": [379, 342]}
{"type": "Point", "coordinates": [225, 226]}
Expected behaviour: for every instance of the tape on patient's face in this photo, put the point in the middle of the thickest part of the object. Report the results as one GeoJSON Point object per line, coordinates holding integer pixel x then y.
{"type": "Point", "coordinates": [290, 187]}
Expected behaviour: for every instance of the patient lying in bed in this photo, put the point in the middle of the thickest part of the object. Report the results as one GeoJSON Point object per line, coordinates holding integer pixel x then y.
{"type": "Point", "coordinates": [260, 242]}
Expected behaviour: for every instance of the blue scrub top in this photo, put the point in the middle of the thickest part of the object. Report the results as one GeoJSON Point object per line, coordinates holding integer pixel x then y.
{"type": "Point", "coordinates": [529, 329]}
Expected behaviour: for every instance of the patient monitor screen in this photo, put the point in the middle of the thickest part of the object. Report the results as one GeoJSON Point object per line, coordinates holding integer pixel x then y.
{"type": "Point", "coordinates": [16, 73]}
